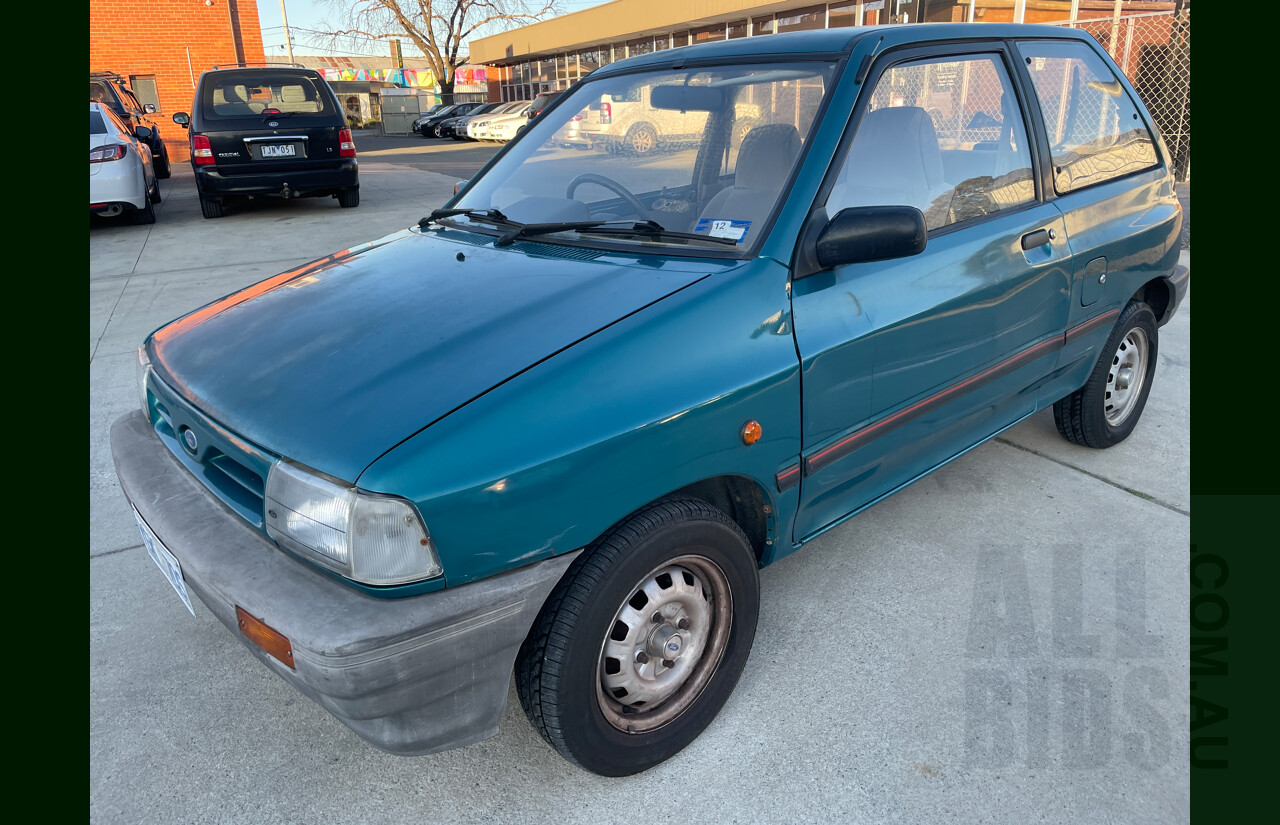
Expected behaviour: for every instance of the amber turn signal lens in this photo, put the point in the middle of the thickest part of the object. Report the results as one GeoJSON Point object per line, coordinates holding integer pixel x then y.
{"type": "Point", "coordinates": [751, 432]}
{"type": "Point", "coordinates": [265, 636]}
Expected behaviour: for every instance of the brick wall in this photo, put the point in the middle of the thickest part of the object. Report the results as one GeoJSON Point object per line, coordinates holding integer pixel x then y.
{"type": "Point", "coordinates": [153, 39]}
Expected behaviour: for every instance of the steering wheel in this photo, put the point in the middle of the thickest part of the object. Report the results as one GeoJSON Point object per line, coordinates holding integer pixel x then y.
{"type": "Point", "coordinates": [613, 186]}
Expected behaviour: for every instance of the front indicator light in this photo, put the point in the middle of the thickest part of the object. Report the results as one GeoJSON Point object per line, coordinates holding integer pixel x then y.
{"type": "Point", "coordinates": [265, 636]}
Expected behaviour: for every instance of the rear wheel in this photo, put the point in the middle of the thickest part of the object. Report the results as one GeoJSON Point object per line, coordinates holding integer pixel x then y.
{"type": "Point", "coordinates": [349, 198]}
{"type": "Point", "coordinates": [147, 214]}
{"type": "Point", "coordinates": [642, 139]}
{"type": "Point", "coordinates": [642, 642]}
{"type": "Point", "coordinates": [1105, 410]}
{"type": "Point", "coordinates": [209, 207]}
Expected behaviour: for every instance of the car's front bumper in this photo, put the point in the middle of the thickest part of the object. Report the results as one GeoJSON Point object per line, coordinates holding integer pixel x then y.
{"type": "Point", "coordinates": [302, 182]}
{"type": "Point", "coordinates": [412, 675]}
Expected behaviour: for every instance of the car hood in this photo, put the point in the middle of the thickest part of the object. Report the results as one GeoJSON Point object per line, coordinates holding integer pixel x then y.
{"type": "Point", "coordinates": [336, 362]}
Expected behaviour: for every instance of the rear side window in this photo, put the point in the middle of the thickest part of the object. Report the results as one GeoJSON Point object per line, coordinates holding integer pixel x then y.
{"type": "Point", "coordinates": [100, 92]}
{"type": "Point", "coordinates": [1095, 132]}
{"type": "Point", "coordinates": [248, 95]}
{"type": "Point", "coordinates": [97, 126]}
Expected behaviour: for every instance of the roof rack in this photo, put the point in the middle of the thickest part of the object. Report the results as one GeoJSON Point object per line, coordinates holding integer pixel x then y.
{"type": "Point", "coordinates": [107, 75]}
{"type": "Point", "coordinates": [259, 63]}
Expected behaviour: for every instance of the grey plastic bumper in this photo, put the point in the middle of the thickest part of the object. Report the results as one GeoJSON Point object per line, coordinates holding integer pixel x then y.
{"type": "Point", "coordinates": [412, 675]}
{"type": "Point", "coordinates": [1179, 281]}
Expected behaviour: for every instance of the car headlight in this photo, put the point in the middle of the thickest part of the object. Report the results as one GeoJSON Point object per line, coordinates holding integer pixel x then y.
{"type": "Point", "coordinates": [371, 538]}
{"type": "Point", "coordinates": [141, 370]}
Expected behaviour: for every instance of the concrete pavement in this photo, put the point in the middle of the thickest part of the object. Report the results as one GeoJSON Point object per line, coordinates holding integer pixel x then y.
{"type": "Point", "coordinates": [1005, 641]}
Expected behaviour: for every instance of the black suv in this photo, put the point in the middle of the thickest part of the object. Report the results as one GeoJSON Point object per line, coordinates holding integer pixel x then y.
{"type": "Point", "coordinates": [110, 90]}
{"type": "Point", "coordinates": [269, 131]}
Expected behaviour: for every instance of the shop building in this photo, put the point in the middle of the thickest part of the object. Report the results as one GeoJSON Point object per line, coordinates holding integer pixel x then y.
{"type": "Point", "coordinates": [554, 53]}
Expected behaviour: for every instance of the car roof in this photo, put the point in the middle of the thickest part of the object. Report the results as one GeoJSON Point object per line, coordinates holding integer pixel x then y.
{"type": "Point", "coordinates": [834, 41]}
{"type": "Point", "coordinates": [253, 71]}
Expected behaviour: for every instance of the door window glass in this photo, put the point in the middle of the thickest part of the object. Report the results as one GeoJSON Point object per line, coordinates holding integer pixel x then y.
{"type": "Point", "coordinates": [943, 135]}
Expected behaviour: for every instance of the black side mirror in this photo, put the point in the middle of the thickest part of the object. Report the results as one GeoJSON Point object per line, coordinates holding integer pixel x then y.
{"type": "Point", "coordinates": [182, 119]}
{"type": "Point", "coordinates": [863, 234]}
{"type": "Point", "coordinates": [142, 133]}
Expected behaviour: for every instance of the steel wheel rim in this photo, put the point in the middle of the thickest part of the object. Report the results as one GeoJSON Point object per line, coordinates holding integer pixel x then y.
{"type": "Point", "coordinates": [1126, 376]}
{"type": "Point", "coordinates": [636, 690]}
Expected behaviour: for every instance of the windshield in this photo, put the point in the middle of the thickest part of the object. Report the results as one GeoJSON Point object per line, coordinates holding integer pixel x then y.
{"type": "Point", "coordinates": [704, 151]}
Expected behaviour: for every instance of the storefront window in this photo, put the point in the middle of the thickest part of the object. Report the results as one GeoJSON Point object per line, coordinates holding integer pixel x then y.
{"type": "Point", "coordinates": [680, 39]}
{"type": "Point", "coordinates": [873, 13]}
{"type": "Point", "coordinates": [738, 28]}
{"type": "Point", "coordinates": [814, 17]}
{"type": "Point", "coordinates": [589, 61]}
{"type": "Point", "coordinates": [709, 35]}
{"type": "Point", "coordinates": [642, 46]}
{"type": "Point", "coordinates": [842, 15]}
{"type": "Point", "coordinates": [761, 25]}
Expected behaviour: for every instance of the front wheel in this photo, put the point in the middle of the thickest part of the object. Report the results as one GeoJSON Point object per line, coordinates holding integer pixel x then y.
{"type": "Point", "coordinates": [1105, 410]}
{"type": "Point", "coordinates": [161, 161]}
{"type": "Point", "coordinates": [642, 642]}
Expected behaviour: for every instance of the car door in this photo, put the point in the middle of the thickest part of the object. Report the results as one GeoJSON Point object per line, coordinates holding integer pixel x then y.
{"type": "Point", "coordinates": [1116, 198]}
{"type": "Point", "coordinates": [907, 363]}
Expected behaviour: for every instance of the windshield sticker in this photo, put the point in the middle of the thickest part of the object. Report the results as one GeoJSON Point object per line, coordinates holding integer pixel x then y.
{"type": "Point", "coordinates": [737, 230]}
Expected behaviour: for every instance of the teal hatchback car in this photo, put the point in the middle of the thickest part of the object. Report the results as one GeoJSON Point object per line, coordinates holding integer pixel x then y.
{"type": "Point", "coordinates": [557, 428]}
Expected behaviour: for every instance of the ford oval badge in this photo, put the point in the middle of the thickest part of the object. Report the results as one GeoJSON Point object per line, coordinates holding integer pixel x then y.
{"type": "Point", "coordinates": [189, 438]}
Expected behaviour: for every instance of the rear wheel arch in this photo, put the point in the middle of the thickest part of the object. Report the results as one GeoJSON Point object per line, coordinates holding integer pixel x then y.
{"type": "Point", "coordinates": [1157, 294]}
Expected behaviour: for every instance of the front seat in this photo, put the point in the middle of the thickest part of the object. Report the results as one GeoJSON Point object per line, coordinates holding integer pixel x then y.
{"type": "Point", "coordinates": [764, 163]}
{"type": "Point", "coordinates": [894, 161]}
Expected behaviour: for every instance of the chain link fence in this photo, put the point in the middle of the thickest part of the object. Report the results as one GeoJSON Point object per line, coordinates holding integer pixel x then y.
{"type": "Point", "coordinates": [1154, 51]}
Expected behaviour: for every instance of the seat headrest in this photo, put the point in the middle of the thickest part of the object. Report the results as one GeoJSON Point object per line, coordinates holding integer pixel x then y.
{"type": "Point", "coordinates": [766, 157]}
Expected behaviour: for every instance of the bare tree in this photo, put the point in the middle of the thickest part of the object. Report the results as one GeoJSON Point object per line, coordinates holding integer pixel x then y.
{"type": "Point", "coordinates": [437, 27]}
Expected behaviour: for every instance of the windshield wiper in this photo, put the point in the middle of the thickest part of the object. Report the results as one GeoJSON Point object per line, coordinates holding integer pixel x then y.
{"type": "Point", "coordinates": [528, 230]}
{"type": "Point", "coordinates": [492, 216]}
{"type": "Point", "coordinates": [651, 229]}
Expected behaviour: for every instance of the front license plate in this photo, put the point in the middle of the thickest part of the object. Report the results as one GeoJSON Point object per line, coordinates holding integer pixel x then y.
{"type": "Point", "coordinates": [283, 151]}
{"type": "Point", "coordinates": [164, 560]}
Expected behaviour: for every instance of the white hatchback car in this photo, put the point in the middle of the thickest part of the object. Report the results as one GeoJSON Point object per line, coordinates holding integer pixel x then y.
{"type": "Point", "coordinates": [122, 177]}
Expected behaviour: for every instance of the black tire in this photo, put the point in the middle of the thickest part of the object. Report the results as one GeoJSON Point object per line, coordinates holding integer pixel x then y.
{"type": "Point", "coordinates": [564, 663]}
{"type": "Point", "coordinates": [209, 207]}
{"type": "Point", "coordinates": [1095, 415]}
{"type": "Point", "coordinates": [154, 194]}
{"type": "Point", "coordinates": [161, 161]}
{"type": "Point", "coordinates": [642, 139]}
{"type": "Point", "coordinates": [145, 215]}
{"type": "Point", "coordinates": [349, 198]}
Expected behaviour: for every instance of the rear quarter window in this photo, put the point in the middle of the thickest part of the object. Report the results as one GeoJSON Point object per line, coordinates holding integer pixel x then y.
{"type": "Point", "coordinates": [294, 96]}
{"type": "Point", "coordinates": [1095, 131]}
{"type": "Point", "coordinates": [97, 126]}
